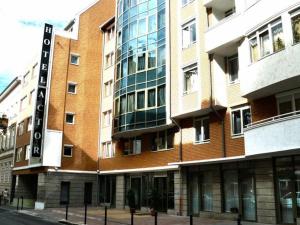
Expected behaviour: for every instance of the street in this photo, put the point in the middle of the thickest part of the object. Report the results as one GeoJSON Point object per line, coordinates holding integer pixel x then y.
{"type": "Point", "coordinates": [11, 217]}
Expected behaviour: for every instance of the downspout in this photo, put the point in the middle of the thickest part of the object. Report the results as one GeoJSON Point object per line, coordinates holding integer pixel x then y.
{"type": "Point", "coordinates": [223, 147]}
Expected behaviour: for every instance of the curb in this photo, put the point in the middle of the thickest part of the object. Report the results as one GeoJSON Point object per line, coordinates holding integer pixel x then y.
{"type": "Point", "coordinates": [68, 222]}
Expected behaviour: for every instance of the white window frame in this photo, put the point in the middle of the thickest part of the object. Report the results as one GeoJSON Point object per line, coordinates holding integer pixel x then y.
{"type": "Point", "coordinates": [136, 146]}
{"type": "Point", "coordinates": [70, 113]}
{"type": "Point", "coordinates": [108, 86]}
{"type": "Point", "coordinates": [107, 115]}
{"type": "Point", "coordinates": [19, 154]}
{"type": "Point", "coordinates": [77, 57]}
{"type": "Point", "coordinates": [290, 94]}
{"type": "Point", "coordinates": [75, 85]}
{"type": "Point", "coordinates": [29, 124]}
{"type": "Point", "coordinates": [109, 60]}
{"type": "Point", "coordinates": [256, 35]}
{"type": "Point", "coordinates": [242, 120]}
{"type": "Point", "coordinates": [186, 3]}
{"type": "Point", "coordinates": [27, 152]}
{"type": "Point", "coordinates": [195, 86]}
{"type": "Point", "coordinates": [190, 42]}
{"type": "Point", "coordinates": [106, 152]}
{"type": "Point", "coordinates": [202, 130]}
{"type": "Point", "coordinates": [72, 148]}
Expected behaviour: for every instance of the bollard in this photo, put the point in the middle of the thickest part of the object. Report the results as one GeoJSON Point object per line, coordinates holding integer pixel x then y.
{"type": "Point", "coordinates": [67, 210]}
{"type": "Point", "coordinates": [191, 219]}
{"type": "Point", "coordinates": [239, 219]}
{"type": "Point", "coordinates": [105, 215]}
{"type": "Point", "coordinates": [22, 203]}
{"type": "Point", "coordinates": [131, 218]}
{"type": "Point", "coordinates": [85, 212]}
{"type": "Point", "coordinates": [0, 199]}
{"type": "Point", "coordinates": [18, 204]}
{"type": "Point", "coordinates": [155, 218]}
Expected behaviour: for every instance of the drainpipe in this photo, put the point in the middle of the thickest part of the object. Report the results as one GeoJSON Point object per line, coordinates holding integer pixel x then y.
{"type": "Point", "coordinates": [222, 121]}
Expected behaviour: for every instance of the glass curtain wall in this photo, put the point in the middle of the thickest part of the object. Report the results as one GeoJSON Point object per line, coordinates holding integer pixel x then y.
{"type": "Point", "coordinates": [140, 65]}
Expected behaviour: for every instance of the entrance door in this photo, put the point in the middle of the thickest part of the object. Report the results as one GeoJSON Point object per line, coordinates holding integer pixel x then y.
{"type": "Point", "coordinates": [160, 185]}
{"type": "Point", "coordinates": [88, 191]}
{"type": "Point", "coordinates": [136, 185]}
{"type": "Point", "coordinates": [248, 198]}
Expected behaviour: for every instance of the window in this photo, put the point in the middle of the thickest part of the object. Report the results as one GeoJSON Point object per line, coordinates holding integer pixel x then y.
{"type": "Point", "coordinates": [64, 192]}
{"type": "Point", "coordinates": [231, 191]}
{"type": "Point", "coordinates": [207, 191]}
{"type": "Point", "coordinates": [108, 150]}
{"type": "Point", "coordinates": [21, 128]}
{"type": "Point", "coordinates": [296, 26]}
{"type": "Point", "coordinates": [27, 152]}
{"type": "Point", "coordinates": [109, 58]}
{"type": "Point", "coordinates": [185, 2]}
{"type": "Point", "coordinates": [240, 118]}
{"type": "Point", "coordinates": [162, 140]}
{"type": "Point", "coordinates": [23, 103]}
{"type": "Point", "coordinates": [123, 104]}
{"type": "Point", "coordinates": [229, 12]}
{"type": "Point", "coordinates": [288, 102]}
{"type": "Point", "coordinates": [29, 124]}
{"type": "Point", "coordinates": [72, 88]}
{"type": "Point", "coordinates": [130, 102]}
{"type": "Point", "coordinates": [161, 95]}
{"type": "Point", "coordinates": [201, 130]}
{"type": "Point", "coordinates": [70, 118]}
{"type": "Point", "coordinates": [190, 78]}
{"type": "Point", "coordinates": [233, 69]}
{"type": "Point", "coordinates": [110, 33]}
{"type": "Point", "coordinates": [141, 100]}
{"type": "Point", "coordinates": [188, 34]}
{"type": "Point", "coordinates": [68, 150]}
{"type": "Point", "coordinates": [19, 155]}
{"type": "Point", "coordinates": [108, 88]}
{"type": "Point", "coordinates": [270, 39]}
{"type": "Point", "coordinates": [31, 97]}
{"type": "Point", "coordinates": [133, 146]}
{"type": "Point", "coordinates": [74, 59]}
{"type": "Point", "coordinates": [107, 118]}
{"type": "Point", "coordinates": [151, 98]}
{"type": "Point", "coordinates": [26, 79]}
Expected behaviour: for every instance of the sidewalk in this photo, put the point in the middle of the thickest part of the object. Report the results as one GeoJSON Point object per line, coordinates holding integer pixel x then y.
{"type": "Point", "coordinates": [95, 216]}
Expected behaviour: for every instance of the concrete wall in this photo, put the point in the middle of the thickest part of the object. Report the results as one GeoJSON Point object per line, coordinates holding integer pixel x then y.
{"type": "Point", "coordinates": [120, 192]}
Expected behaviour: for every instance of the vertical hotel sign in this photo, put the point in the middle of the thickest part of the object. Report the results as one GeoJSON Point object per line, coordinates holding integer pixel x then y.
{"type": "Point", "coordinates": [39, 111]}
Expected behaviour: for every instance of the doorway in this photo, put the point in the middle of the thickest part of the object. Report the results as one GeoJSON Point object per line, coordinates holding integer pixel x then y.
{"type": "Point", "coordinates": [136, 185]}
{"type": "Point", "coordinates": [248, 197]}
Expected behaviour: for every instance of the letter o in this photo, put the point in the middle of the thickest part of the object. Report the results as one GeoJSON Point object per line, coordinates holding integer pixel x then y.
{"type": "Point", "coordinates": [47, 42]}
{"type": "Point", "coordinates": [37, 135]}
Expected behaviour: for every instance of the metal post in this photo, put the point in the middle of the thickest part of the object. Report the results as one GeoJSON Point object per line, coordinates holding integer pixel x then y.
{"type": "Point", "coordinates": [0, 199]}
{"type": "Point", "coordinates": [85, 212]}
{"type": "Point", "coordinates": [18, 204]}
{"type": "Point", "coordinates": [131, 218]}
{"type": "Point", "coordinates": [67, 211]}
{"type": "Point", "coordinates": [239, 219]}
{"type": "Point", "coordinates": [22, 203]}
{"type": "Point", "coordinates": [155, 218]}
{"type": "Point", "coordinates": [105, 215]}
{"type": "Point", "coordinates": [191, 219]}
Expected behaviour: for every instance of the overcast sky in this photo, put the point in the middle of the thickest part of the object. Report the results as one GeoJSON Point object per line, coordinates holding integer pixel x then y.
{"type": "Point", "coordinates": [21, 24]}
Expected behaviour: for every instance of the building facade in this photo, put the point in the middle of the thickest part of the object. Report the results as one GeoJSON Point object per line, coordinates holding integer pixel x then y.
{"type": "Point", "coordinates": [8, 115]}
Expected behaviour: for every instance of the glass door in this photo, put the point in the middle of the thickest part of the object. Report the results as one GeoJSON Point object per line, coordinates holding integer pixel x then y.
{"type": "Point", "coordinates": [248, 198]}
{"type": "Point", "coordinates": [195, 196]}
{"type": "Point", "coordinates": [136, 187]}
{"type": "Point", "coordinates": [160, 184]}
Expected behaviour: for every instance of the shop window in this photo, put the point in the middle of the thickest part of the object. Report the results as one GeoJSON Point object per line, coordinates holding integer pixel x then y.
{"type": "Point", "coordinates": [240, 118]}
{"type": "Point", "coordinates": [231, 191]}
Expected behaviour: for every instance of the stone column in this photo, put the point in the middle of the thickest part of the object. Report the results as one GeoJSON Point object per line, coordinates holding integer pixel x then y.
{"type": "Point", "coordinates": [180, 195]}
{"type": "Point", "coordinates": [120, 192]}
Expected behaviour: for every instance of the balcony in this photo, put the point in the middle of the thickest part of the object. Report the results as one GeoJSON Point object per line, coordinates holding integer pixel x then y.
{"type": "Point", "coordinates": [273, 74]}
{"type": "Point", "coordinates": [273, 135]}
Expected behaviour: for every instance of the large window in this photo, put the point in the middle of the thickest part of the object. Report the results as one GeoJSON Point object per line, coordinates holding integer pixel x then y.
{"type": "Point", "coordinates": [288, 102]}
{"type": "Point", "coordinates": [108, 150]}
{"type": "Point", "coordinates": [201, 130]}
{"type": "Point", "coordinates": [133, 146]}
{"type": "Point", "coordinates": [190, 79]}
{"type": "Point", "coordinates": [267, 40]}
{"type": "Point", "coordinates": [231, 191]}
{"type": "Point", "coordinates": [240, 118]}
{"type": "Point", "coordinates": [296, 26]}
{"type": "Point", "coordinates": [162, 140]}
{"type": "Point", "coordinates": [188, 34]}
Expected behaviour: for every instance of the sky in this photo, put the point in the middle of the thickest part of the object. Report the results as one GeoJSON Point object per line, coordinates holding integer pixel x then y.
{"type": "Point", "coordinates": [21, 30]}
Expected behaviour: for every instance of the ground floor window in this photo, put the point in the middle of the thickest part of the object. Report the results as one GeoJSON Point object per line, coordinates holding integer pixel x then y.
{"type": "Point", "coordinates": [107, 192]}
{"type": "Point", "coordinates": [144, 185]}
{"type": "Point", "coordinates": [288, 188]}
{"type": "Point", "coordinates": [64, 192]}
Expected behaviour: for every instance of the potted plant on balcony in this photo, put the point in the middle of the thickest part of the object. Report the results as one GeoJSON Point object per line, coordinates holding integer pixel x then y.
{"type": "Point", "coordinates": [131, 200]}
{"type": "Point", "coordinates": [153, 201]}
